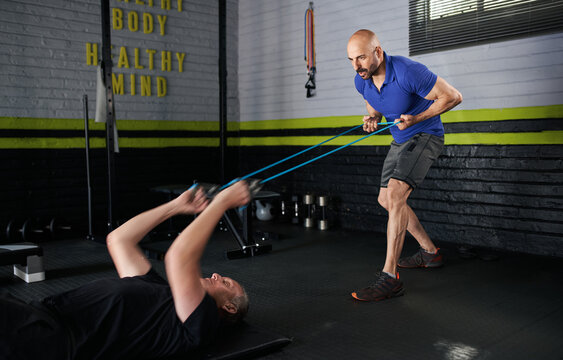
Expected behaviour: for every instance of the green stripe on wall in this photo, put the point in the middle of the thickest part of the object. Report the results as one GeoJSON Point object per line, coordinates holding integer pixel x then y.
{"type": "Point", "coordinates": [95, 142]}
{"type": "Point", "coordinates": [167, 142]}
{"type": "Point", "coordinates": [530, 112]}
{"type": "Point", "coordinates": [22, 123]}
{"type": "Point", "coordinates": [302, 123]}
{"type": "Point", "coordinates": [26, 123]}
{"type": "Point", "coordinates": [311, 140]}
{"type": "Point", "coordinates": [520, 138]}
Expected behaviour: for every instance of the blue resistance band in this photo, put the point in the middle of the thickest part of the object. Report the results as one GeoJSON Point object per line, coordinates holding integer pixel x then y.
{"type": "Point", "coordinates": [301, 152]}
{"type": "Point", "coordinates": [323, 155]}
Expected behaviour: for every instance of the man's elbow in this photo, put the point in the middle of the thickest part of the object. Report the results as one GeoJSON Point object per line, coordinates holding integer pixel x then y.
{"type": "Point", "coordinates": [112, 239]}
{"type": "Point", "coordinates": [169, 258]}
{"type": "Point", "coordinates": [173, 258]}
{"type": "Point", "coordinates": [457, 98]}
{"type": "Point", "coordinates": [177, 263]}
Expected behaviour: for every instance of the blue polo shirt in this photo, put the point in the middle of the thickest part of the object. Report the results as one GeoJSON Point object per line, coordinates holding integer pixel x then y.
{"type": "Point", "coordinates": [406, 84]}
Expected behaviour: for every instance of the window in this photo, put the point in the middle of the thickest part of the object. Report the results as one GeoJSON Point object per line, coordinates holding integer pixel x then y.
{"type": "Point", "coordinates": [443, 24]}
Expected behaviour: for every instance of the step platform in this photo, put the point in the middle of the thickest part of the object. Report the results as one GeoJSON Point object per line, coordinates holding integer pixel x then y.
{"type": "Point", "coordinates": [27, 259]}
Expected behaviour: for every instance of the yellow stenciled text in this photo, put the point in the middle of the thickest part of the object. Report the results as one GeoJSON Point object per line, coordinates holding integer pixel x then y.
{"type": "Point", "coordinates": [132, 20]}
{"type": "Point", "coordinates": [146, 82]}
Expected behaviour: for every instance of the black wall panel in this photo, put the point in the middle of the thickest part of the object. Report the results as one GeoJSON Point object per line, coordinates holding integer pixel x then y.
{"type": "Point", "coordinates": [52, 182]}
{"type": "Point", "coordinates": [508, 197]}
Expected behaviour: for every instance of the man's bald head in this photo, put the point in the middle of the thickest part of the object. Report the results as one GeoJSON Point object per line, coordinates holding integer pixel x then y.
{"type": "Point", "coordinates": [364, 38]}
{"type": "Point", "coordinates": [365, 53]}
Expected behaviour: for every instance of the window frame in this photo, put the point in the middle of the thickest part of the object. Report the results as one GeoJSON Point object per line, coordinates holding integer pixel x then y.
{"type": "Point", "coordinates": [480, 26]}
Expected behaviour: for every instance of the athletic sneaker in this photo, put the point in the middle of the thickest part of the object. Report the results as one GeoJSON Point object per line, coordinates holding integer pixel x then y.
{"type": "Point", "coordinates": [385, 287]}
{"type": "Point", "coordinates": [421, 259]}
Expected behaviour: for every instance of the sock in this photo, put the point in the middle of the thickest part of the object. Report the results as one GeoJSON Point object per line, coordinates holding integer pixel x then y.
{"type": "Point", "coordinates": [392, 275]}
{"type": "Point", "coordinates": [430, 252]}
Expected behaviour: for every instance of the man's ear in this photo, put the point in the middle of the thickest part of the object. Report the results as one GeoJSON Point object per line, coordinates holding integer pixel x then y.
{"type": "Point", "coordinates": [230, 307]}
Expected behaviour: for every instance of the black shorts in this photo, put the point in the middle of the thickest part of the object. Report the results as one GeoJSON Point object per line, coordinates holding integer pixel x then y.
{"type": "Point", "coordinates": [410, 161]}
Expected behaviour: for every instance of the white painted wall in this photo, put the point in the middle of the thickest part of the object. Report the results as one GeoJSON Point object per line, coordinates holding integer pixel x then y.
{"type": "Point", "coordinates": [44, 73]}
{"type": "Point", "coordinates": [272, 70]}
{"type": "Point", "coordinates": [43, 67]}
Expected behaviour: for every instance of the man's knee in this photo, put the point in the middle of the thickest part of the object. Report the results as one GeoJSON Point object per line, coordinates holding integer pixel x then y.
{"type": "Point", "coordinates": [382, 198]}
{"type": "Point", "coordinates": [397, 193]}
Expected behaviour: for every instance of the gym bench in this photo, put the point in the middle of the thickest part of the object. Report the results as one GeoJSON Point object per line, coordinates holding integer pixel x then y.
{"type": "Point", "coordinates": [27, 259]}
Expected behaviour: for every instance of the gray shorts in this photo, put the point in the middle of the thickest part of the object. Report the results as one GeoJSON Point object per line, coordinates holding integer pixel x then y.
{"type": "Point", "coordinates": [410, 161]}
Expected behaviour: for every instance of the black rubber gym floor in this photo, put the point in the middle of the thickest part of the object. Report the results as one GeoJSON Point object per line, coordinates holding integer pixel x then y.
{"type": "Point", "coordinates": [509, 308]}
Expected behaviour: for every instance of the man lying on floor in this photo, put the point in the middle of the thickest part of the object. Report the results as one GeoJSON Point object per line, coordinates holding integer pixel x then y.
{"type": "Point", "coordinates": [140, 315]}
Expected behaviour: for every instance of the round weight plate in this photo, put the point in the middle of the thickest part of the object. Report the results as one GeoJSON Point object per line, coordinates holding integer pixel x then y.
{"type": "Point", "coordinates": [14, 229]}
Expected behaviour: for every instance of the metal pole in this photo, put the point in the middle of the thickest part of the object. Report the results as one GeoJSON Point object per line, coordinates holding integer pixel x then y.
{"type": "Point", "coordinates": [90, 235]}
{"type": "Point", "coordinates": [223, 85]}
{"type": "Point", "coordinates": [110, 119]}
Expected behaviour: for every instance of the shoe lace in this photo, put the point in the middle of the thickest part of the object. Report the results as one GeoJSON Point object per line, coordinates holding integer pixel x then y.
{"type": "Point", "coordinates": [379, 280]}
{"type": "Point", "coordinates": [418, 257]}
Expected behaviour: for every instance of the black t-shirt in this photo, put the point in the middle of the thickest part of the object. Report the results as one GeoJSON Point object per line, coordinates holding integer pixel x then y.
{"type": "Point", "coordinates": [132, 318]}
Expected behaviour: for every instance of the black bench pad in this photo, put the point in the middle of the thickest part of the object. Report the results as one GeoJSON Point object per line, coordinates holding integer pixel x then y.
{"type": "Point", "coordinates": [242, 341]}
{"type": "Point", "coordinates": [11, 254]}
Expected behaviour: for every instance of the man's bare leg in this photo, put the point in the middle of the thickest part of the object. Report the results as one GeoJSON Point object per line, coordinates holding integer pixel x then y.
{"type": "Point", "coordinates": [397, 195]}
{"type": "Point", "coordinates": [414, 227]}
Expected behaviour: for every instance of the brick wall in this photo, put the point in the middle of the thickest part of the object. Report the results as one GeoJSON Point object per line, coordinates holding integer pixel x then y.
{"type": "Point", "coordinates": [45, 69]}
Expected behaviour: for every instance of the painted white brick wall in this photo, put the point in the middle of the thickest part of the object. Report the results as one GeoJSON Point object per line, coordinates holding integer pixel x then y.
{"type": "Point", "coordinates": [272, 71]}
{"type": "Point", "coordinates": [43, 59]}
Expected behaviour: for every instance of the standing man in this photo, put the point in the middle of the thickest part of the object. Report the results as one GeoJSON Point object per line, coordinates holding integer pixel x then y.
{"type": "Point", "coordinates": [409, 94]}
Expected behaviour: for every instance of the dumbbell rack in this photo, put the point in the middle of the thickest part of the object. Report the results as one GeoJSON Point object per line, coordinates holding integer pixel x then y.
{"type": "Point", "coordinates": [37, 230]}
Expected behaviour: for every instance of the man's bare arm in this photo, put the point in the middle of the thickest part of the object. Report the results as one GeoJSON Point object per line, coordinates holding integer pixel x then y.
{"type": "Point", "coordinates": [182, 260]}
{"type": "Point", "coordinates": [122, 243]}
{"type": "Point", "coordinates": [371, 120]}
{"type": "Point", "coordinates": [445, 97]}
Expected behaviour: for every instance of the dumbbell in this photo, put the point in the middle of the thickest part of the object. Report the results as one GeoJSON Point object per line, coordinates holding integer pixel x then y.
{"type": "Point", "coordinates": [309, 202]}
{"type": "Point", "coordinates": [295, 213]}
{"type": "Point", "coordinates": [32, 231]}
{"type": "Point", "coordinates": [284, 210]}
{"type": "Point", "coordinates": [322, 203]}
{"type": "Point", "coordinates": [60, 229]}
{"type": "Point", "coordinates": [3, 239]}
{"type": "Point", "coordinates": [14, 230]}
{"type": "Point", "coordinates": [37, 230]}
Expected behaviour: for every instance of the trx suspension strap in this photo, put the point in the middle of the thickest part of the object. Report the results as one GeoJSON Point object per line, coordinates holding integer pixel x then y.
{"type": "Point", "coordinates": [310, 50]}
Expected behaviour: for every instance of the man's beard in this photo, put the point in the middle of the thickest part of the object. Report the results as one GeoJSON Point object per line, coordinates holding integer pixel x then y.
{"type": "Point", "coordinates": [368, 73]}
